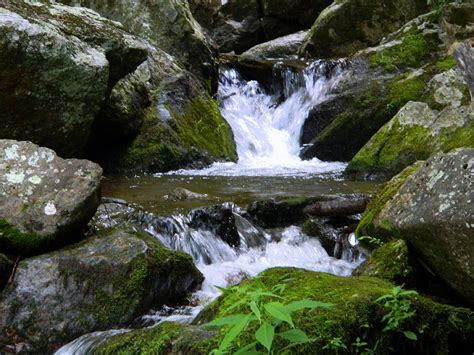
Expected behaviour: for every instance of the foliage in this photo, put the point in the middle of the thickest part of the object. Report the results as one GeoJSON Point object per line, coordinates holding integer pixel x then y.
{"type": "Point", "coordinates": [272, 316]}
{"type": "Point", "coordinates": [400, 308]}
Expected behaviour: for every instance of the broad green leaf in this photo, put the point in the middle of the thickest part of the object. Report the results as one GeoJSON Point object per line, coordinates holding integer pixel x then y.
{"type": "Point", "coordinates": [256, 310]}
{"type": "Point", "coordinates": [278, 311]}
{"type": "Point", "coordinates": [237, 304]}
{"type": "Point", "coordinates": [295, 336]}
{"type": "Point", "coordinates": [410, 335]}
{"type": "Point", "coordinates": [265, 335]}
{"type": "Point", "coordinates": [297, 305]}
{"type": "Point", "coordinates": [233, 333]}
{"type": "Point", "coordinates": [247, 350]}
{"type": "Point", "coordinates": [230, 320]}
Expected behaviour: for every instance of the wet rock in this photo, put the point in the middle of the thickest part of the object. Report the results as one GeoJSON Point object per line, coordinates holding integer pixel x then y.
{"type": "Point", "coordinates": [168, 24]}
{"type": "Point", "coordinates": [432, 211]}
{"type": "Point", "coordinates": [6, 267]}
{"type": "Point", "coordinates": [342, 207]}
{"type": "Point", "coordinates": [205, 11]}
{"type": "Point", "coordinates": [181, 194]}
{"type": "Point", "coordinates": [178, 116]}
{"type": "Point", "coordinates": [220, 220]}
{"type": "Point", "coordinates": [349, 25]}
{"type": "Point", "coordinates": [281, 47]}
{"type": "Point", "coordinates": [457, 20]}
{"type": "Point", "coordinates": [375, 84]}
{"type": "Point", "coordinates": [103, 282]}
{"type": "Point", "coordinates": [58, 63]}
{"type": "Point", "coordinates": [45, 201]}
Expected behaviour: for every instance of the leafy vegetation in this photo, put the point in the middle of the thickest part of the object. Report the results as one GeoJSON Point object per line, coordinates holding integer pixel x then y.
{"type": "Point", "coordinates": [273, 318]}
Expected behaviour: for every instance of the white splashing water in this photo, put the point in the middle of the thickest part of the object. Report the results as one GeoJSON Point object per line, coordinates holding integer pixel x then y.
{"type": "Point", "coordinates": [266, 131]}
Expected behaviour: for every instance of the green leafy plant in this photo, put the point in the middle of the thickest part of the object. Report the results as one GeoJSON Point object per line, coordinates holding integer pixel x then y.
{"type": "Point", "coordinates": [273, 318]}
{"type": "Point", "coordinates": [371, 240]}
{"type": "Point", "coordinates": [336, 344]}
{"type": "Point", "coordinates": [399, 305]}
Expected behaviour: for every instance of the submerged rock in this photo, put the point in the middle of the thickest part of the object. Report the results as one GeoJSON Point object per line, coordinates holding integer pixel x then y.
{"type": "Point", "coordinates": [353, 313]}
{"type": "Point", "coordinates": [103, 282]}
{"type": "Point", "coordinates": [57, 64]}
{"type": "Point", "coordinates": [349, 25]}
{"type": "Point", "coordinates": [45, 201]}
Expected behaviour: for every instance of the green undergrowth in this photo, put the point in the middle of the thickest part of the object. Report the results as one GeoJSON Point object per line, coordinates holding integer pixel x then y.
{"type": "Point", "coordinates": [356, 315]}
{"type": "Point", "coordinates": [16, 242]}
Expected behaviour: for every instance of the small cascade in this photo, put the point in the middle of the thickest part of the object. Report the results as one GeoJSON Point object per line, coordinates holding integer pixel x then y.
{"type": "Point", "coordinates": [267, 126]}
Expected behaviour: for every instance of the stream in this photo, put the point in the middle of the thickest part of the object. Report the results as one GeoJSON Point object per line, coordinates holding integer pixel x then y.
{"type": "Point", "coordinates": [267, 127]}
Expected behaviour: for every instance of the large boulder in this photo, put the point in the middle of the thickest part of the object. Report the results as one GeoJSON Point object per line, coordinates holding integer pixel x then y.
{"type": "Point", "coordinates": [160, 118]}
{"type": "Point", "coordinates": [45, 201]}
{"type": "Point", "coordinates": [352, 319]}
{"type": "Point", "coordinates": [432, 211]}
{"type": "Point", "coordinates": [349, 25]}
{"type": "Point", "coordinates": [286, 46]}
{"type": "Point", "coordinates": [168, 24]}
{"type": "Point", "coordinates": [205, 11]}
{"type": "Point", "coordinates": [415, 133]}
{"type": "Point", "coordinates": [103, 282]}
{"type": "Point", "coordinates": [57, 65]}
{"type": "Point", "coordinates": [465, 58]}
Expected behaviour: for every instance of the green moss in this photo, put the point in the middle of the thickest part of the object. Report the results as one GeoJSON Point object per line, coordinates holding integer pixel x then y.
{"type": "Point", "coordinates": [355, 313]}
{"type": "Point", "coordinates": [16, 242]}
{"type": "Point", "coordinates": [366, 225]}
{"type": "Point", "coordinates": [461, 137]}
{"type": "Point", "coordinates": [202, 127]}
{"type": "Point", "coordinates": [444, 64]}
{"type": "Point", "coordinates": [414, 49]}
{"type": "Point", "coordinates": [391, 261]}
{"type": "Point", "coordinates": [402, 90]}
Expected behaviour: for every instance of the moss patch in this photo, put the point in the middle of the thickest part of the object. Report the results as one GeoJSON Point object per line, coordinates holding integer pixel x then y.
{"type": "Point", "coordinates": [14, 241]}
{"type": "Point", "coordinates": [415, 49]}
{"type": "Point", "coordinates": [391, 261]}
{"type": "Point", "coordinates": [366, 225]}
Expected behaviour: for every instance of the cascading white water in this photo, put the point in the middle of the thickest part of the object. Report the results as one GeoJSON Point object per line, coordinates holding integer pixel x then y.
{"type": "Point", "coordinates": [267, 131]}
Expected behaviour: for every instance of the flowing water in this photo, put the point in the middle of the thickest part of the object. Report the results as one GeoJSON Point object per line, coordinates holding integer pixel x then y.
{"type": "Point", "coordinates": [267, 128]}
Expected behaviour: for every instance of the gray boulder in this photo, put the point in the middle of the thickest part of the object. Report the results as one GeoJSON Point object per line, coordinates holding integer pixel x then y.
{"type": "Point", "coordinates": [45, 201]}
{"type": "Point", "coordinates": [103, 282]}
{"type": "Point", "coordinates": [432, 211]}
{"type": "Point", "coordinates": [282, 47]}
{"type": "Point", "coordinates": [465, 59]}
{"type": "Point", "coordinates": [349, 25]}
{"type": "Point", "coordinates": [168, 24]}
{"type": "Point", "coordinates": [56, 65]}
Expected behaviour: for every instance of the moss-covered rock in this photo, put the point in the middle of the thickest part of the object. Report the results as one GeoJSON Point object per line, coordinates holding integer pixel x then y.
{"type": "Point", "coordinates": [415, 133]}
{"type": "Point", "coordinates": [355, 317]}
{"type": "Point", "coordinates": [103, 282]}
{"type": "Point", "coordinates": [392, 261]}
{"type": "Point", "coordinates": [366, 225]}
{"type": "Point", "coordinates": [45, 202]}
{"type": "Point", "coordinates": [432, 212]}
{"type": "Point", "coordinates": [181, 124]}
{"type": "Point", "coordinates": [349, 25]}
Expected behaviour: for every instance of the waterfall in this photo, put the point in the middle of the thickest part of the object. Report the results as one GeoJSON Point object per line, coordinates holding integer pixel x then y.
{"type": "Point", "coordinates": [267, 126]}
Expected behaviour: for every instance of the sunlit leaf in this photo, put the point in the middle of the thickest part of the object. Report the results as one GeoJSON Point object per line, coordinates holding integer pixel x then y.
{"type": "Point", "coordinates": [297, 305]}
{"type": "Point", "coordinates": [410, 335]}
{"type": "Point", "coordinates": [234, 332]}
{"type": "Point", "coordinates": [279, 311]}
{"type": "Point", "coordinates": [295, 336]}
{"type": "Point", "coordinates": [230, 320]}
{"type": "Point", "coordinates": [265, 335]}
{"type": "Point", "coordinates": [256, 310]}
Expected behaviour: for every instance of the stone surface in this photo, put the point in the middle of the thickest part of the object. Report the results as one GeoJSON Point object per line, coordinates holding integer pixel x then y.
{"type": "Point", "coordinates": [349, 25]}
{"type": "Point", "coordinates": [465, 59]}
{"type": "Point", "coordinates": [45, 201]}
{"type": "Point", "coordinates": [415, 133]}
{"type": "Point", "coordinates": [56, 66]}
{"type": "Point", "coordinates": [181, 125]}
{"type": "Point", "coordinates": [103, 282]}
{"type": "Point", "coordinates": [457, 20]}
{"type": "Point", "coordinates": [168, 24]}
{"type": "Point", "coordinates": [432, 211]}
{"type": "Point", "coordinates": [281, 47]}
